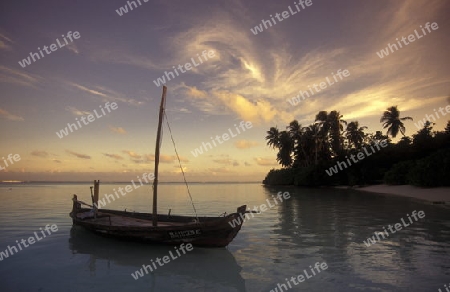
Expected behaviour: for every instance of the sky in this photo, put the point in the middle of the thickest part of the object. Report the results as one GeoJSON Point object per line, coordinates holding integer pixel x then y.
{"type": "Point", "coordinates": [112, 58]}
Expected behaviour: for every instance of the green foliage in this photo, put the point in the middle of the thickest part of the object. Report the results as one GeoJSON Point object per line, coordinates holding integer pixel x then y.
{"type": "Point", "coordinates": [432, 171]}
{"type": "Point", "coordinates": [306, 152]}
{"type": "Point", "coordinates": [312, 176]}
{"type": "Point", "coordinates": [284, 176]}
{"type": "Point", "coordinates": [398, 174]}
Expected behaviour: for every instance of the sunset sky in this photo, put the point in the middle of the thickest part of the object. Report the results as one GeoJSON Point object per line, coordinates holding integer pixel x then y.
{"type": "Point", "coordinates": [116, 58]}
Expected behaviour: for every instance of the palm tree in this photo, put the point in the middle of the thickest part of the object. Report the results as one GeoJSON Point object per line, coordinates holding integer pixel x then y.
{"type": "Point", "coordinates": [295, 132]}
{"type": "Point", "coordinates": [283, 142]}
{"type": "Point", "coordinates": [355, 134]}
{"type": "Point", "coordinates": [273, 137]}
{"type": "Point", "coordinates": [391, 120]}
{"type": "Point", "coordinates": [286, 145]}
{"type": "Point", "coordinates": [336, 127]}
{"type": "Point", "coordinates": [316, 130]}
{"type": "Point", "coordinates": [377, 138]}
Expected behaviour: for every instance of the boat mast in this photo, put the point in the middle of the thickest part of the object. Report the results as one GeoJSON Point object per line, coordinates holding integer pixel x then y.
{"type": "Point", "coordinates": [158, 143]}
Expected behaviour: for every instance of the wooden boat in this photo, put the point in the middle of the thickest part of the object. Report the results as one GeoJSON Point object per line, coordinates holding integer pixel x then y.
{"type": "Point", "coordinates": [164, 229]}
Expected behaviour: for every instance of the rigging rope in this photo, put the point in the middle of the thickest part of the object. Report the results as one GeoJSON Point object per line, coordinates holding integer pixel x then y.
{"type": "Point", "coordinates": [181, 167]}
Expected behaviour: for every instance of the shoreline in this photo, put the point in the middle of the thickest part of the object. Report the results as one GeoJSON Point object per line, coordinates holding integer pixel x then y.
{"type": "Point", "coordinates": [434, 196]}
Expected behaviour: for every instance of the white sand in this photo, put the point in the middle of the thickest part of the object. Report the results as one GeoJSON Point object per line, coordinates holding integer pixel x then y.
{"type": "Point", "coordinates": [435, 195]}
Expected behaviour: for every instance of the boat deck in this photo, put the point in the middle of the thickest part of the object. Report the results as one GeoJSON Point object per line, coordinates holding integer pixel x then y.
{"type": "Point", "coordinates": [108, 219]}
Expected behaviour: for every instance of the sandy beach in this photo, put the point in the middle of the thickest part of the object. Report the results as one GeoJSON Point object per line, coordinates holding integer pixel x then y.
{"type": "Point", "coordinates": [439, 195]}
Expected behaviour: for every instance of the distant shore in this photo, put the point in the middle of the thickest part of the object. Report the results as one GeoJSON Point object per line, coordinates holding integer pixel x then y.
{"type": "Point", "coordinates": [440, 195]}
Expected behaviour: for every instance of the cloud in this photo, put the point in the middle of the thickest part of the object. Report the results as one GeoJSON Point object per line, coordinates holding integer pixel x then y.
{"type": "Point", "coordinates": [256, 111]}
{"type": "Point", "coordinates": [253, 77]}
{"type": "Point", "coordinates": [73, 48]}
{"type": "Point", "coordinates": [245, 144]}
{"type": "Point", "coordinates": [184, 110]}
{"type": "Point", "coordinates": [40, 153]}
{"type": "Point", "coordinates": [247, 164]}
{"type": "Point", "coordinates": [114, 156]}
{"type": "Point", "coordinates": [106, 94]}
{"type": "Point", "coordinates": [78, 155]}
{"type": "Point", "coordinates": [118, 130]}
{"type": "Point", "coordinates": [178, 169]}
{"type": "Point", "coordinates": [77, 112]}
{"type": "Point", "coordinates": [56, 160]}
{"type": "Point", "coordinates": [16, 77]}
{"type": "Point", "coordinates": [171, 158]}
{"type": "Point", "coordinates": [5, 43]}
{"type": "Point", "coordinates": [132, 154]}
{"type": "Point", "coordinates": [226, 161]}
{"type": "Point", "coordinates": [266, 161]}
{"type": "Point", "coordinates": [85, 89]}
{"type": "Point", "coordinates": [196, 93]}
{"type": "Point", "coordinates": [8, 116]}
{"type": "Point", "coordinates": [139, 158]}
{"type": "Point", "coordinates": [148, 158]}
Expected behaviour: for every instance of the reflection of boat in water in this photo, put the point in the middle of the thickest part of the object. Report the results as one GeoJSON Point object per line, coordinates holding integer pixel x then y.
{"type": "Point", "coordinates": [203, 266]}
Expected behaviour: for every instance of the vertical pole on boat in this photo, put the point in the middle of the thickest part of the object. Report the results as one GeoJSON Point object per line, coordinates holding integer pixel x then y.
{"type": "Point", "coordinates": [95, 197]}
{"type": "Point", "coordinates": [96, 191]}
{"type": "Point", "coordinates": [158, 144]}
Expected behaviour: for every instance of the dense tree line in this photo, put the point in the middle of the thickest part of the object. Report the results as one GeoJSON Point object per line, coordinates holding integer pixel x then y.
{"type": "Point", "coordinates": [306, 152]}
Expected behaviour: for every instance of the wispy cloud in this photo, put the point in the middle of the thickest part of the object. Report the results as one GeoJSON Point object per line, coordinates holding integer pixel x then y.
{"type": "Point", "coordinates": [5, 43]}
{"type": "Point", "coordinates": [114, 156]}
{"type": "Point", "coordinates": [77, 112]}
{"type": "Point", "coordinates": [226, 161]}
{"type": "Point", "coordinates": [148, 158]}
{"type": "Point", "coordinates": [245, 144]}
{"type": "Point", "coordinates": [143, 159]}
{"type": "Point", "coordinates": [171, 158]}
{"type": "Point", "coordinates": [132, 154]}
{"type": "Point", "coordinates": [266, 161]}
{"type": "Point", "coordinates": [85, 89]}
{"type": "Point", "coordinates": [13, 76]}
{"type": "Point", "coordinates": [118, 130]}
{"type": "Point", "coordinates": [253, 80]}
{"type": "Point", "coordinates": [40, 153]}
{"type": "Point", "coordinates": [106, 94]}
{"type": "Point", "coordinates": [78, 155]}
{"type": "Point", "coordinates": [8, 116]}
{"type": "Point", "coordinates": [73, 48]}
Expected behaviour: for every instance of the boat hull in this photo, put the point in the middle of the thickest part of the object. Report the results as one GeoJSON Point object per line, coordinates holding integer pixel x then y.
{"type": "Point", "coordinates": [173, 230]}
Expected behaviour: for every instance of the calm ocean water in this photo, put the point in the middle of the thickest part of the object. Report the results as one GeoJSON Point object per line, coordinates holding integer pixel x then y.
{"type": "Point", "coordinates": [319, 225]}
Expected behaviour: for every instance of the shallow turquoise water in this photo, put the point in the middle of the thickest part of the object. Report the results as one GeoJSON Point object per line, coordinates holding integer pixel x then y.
{"type": "Point", "coordinates": [319, 225]}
